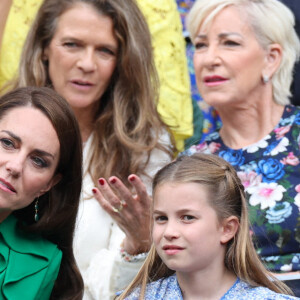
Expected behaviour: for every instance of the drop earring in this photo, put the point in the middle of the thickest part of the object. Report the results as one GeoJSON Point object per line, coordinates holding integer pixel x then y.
{"type": "Point", "coordinates": [36, 210]}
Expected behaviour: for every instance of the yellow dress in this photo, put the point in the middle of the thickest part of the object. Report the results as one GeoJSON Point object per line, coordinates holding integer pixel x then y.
{"type": "Point", "coordinates": [21, 15]}
{"type": "Point", "coordinates": [175, 104]}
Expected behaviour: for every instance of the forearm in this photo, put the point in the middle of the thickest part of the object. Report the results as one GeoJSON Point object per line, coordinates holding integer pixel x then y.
{"type": "Point", "coordinates": [5, 6]}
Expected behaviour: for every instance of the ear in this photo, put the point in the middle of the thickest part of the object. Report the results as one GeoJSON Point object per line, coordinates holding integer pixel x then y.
{"type": "Point", "coordinates": [230, 227]}
{"type": "Point", "coordinates": [55, 180]}
{"type": "Point", "coordinates": [273, 60]}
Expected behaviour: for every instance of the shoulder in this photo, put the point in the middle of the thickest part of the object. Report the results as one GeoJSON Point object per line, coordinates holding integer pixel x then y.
{"type": "Point", "coordinates": [212, 144]}
{"type": "Point", "coordinates": [27, 260]}
{"type": "Point", "coordinates": [243, 291]}
{"type": "Point", "coordinates": [163, 289]}
{"type": "Point", "coordinates": [25, 242]}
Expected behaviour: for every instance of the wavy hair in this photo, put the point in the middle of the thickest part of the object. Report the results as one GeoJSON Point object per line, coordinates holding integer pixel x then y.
{"type": "Point", "coordinates": [57, 207]}
{"type": "Point", "coordinates": [227, 198]}
{"type": "Point", "coordinates": [277, 28]}
{"type": "Point", "coordinates": [127, 124]}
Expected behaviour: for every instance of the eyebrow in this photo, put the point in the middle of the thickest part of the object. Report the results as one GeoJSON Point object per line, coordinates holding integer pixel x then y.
{"type": "Point", "coordinates": [221, 35]}
{"type": "Point", "coordinates": [181, 211]}
{"type": "Point", "coordinates": [74, 39]}
{"type": "Point", "coordinates": [19, 140]}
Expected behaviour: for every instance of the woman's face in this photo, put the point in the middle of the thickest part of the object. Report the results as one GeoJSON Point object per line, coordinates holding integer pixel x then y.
{"type": "Point", "coordinates": [229, 61]}
{"type": "Point", "coordinates": [82, 57]}
{"type": "Point", "coordinates": [29, 155]}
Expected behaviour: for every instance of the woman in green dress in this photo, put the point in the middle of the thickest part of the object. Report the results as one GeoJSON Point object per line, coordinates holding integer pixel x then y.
{"type": "Point", "coordinates": [40, 184]}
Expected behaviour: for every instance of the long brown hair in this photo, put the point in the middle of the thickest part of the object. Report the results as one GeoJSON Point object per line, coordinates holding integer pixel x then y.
{"type": "Point", "coordinates": [227, 198]}
{"type": "Point", "coordinates": [57, 207]}
{"type": "Point", "coordinates": [127, 125]}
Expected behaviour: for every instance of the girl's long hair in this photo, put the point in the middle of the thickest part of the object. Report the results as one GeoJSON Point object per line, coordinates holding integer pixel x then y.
{"type": "Point", "coordinates": [127, 126]}
{"type": "Point", "coordinates": [58, 207]}
{"type": "Point", "coordinates": [227, 198]}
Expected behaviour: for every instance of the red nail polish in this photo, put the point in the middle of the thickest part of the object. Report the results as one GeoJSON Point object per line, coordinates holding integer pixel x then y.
{"type": "Point", "coordinates": [94, 191]}
{"type": "Point", "coordinates": [101, 181]}
{"type": "Point", "coordinates": [113, 180]}
{"type": "Point", "coordinates": [132, 178]}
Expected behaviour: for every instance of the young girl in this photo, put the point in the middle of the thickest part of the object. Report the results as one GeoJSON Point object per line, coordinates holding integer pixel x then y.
{"type": "Point", "coordinates": [202, 246]}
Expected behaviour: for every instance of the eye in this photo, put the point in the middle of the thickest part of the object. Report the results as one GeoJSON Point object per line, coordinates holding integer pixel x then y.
{"type": "Point", "coordinates": [106, 52]}
{"type": "Point", "coordinates": [188, 218]}
{"type": "Point", "coordinates": [7, 143]}
{"type": "Point", "coordinates": [231, 43]}
{"type": "Point", "coordinates": [160, 219]}
{"type": "Point", "coordinates": [39, 162]}
{"type": "Point", "coordinates": [70, 45]}
{"type": "Point", "coordinates": [199, 45]}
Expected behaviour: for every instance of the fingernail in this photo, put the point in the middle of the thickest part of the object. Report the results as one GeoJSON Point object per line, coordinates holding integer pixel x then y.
{"type": "Point", "coordinates": [113, 180]}
{"type": "Point", "coordinates": [132, 178]}
{"type": "Point", "coordinates": [101, 181]}
{"type": "Point", "coordinates": [94, 191]}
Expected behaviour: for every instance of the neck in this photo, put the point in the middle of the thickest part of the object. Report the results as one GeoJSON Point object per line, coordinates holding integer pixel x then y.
{"type": "Point", "coordinates": [248, 124]}
{"type": "Point", "coordinates": [85, 122]}
{"type": "Point", "coordinates": [4, 214]}
{"type": "Point", "coordinates": [202, 284]}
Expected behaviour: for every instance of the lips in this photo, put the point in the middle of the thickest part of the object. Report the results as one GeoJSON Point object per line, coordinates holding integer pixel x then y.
{"type": "Point", "coordinates": [214, 79]}
{"type": "Point", "coordinates": [82, 82]}
{"type": "Point", "coordinates": [7, 185]}
{"type": "Point", "coordinates": [172, 247]}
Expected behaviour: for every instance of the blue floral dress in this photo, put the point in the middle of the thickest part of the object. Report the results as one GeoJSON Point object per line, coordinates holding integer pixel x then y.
{"type": "Point", "coordinates": [168, 289]}
{"type": "Point", "coordinates": [270, 173]}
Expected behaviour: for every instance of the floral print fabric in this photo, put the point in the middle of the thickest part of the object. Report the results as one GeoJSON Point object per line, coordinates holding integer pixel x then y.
{"type": "Point", "coordinates": [168, 289]}
{"type": "Point", "coordinates": [270, 173]}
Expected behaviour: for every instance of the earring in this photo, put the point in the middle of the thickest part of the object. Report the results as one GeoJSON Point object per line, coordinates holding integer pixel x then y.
{"type": "Point", "coordinates": [265, 79]}
{"type": "Point", "coordinates": [36, 210]}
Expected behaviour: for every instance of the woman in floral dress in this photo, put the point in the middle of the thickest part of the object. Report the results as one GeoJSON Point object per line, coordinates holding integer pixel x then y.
{"type": "Point", "coordinates": [243, 64]}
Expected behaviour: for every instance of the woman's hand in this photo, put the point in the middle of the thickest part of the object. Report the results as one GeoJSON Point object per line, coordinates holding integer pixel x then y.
{"type": "Point", "coordinates": [131, 210]}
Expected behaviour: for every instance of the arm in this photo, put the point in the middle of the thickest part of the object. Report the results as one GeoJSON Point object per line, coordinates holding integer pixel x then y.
{"type": "Point", "coordinates": [5, 6]}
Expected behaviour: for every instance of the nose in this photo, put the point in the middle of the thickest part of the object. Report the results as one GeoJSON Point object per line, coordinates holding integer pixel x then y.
{"type": "Point", "coordinates": [86, 61]}
{"type": "Point", "coordinates": [171, 231]}
{"type": "Point", "coordinates": [210, 57]}
{"type": "Point", "coordinates": [14, 166]}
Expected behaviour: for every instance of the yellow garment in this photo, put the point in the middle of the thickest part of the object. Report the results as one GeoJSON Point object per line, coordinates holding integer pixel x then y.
{"type": "Point", "coordinates": [21, 15]}
{"type": "Point", "coordinates": [175, 104]}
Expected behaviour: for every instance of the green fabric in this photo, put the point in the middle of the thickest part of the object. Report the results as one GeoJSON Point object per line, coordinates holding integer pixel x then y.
{"type": "Point", "coordinates": [29, 264]}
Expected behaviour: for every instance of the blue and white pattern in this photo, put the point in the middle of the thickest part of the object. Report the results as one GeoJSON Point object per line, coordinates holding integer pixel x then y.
{"type": "Point", "coordinates": [168, 289]}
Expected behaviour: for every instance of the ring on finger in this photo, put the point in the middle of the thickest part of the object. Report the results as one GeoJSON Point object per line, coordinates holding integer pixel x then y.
{"type": "Point", "coordinates": [118, 209]}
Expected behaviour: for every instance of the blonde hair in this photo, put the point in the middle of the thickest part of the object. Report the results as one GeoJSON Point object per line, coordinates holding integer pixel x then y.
{"type": "Point", "coordinates": [227, 198]}
{"type": "Point", "coordinates": [271, 21]}
{"type": "Point", "coordinates": [127, 125]}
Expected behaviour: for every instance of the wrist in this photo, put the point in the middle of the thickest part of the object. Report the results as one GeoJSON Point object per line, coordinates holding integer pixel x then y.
{"type": "Point", "coordinates": [132, 258]}
{"type": "Point", "coordinates": [135, 248]}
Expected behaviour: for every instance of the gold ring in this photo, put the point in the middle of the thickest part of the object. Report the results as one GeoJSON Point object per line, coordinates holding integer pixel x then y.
{"type": "Point", "coordinates": [119, 209]}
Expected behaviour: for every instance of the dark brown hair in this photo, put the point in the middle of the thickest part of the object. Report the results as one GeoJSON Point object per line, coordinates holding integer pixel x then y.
{"type": "Point", "coordinates": [57, 207]}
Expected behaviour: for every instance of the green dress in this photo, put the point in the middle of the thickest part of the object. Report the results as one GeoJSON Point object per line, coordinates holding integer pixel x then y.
{"type": "Point", "coordinates": [29, 264]}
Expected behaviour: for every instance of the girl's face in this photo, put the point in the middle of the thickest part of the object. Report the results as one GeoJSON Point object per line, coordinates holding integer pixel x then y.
{"type": "Point", "coordinates": [82, 57]}
{"type": "Point", "coordinates": [186, 232]}
{"type": "Point", "coordinates": [29, 155]}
